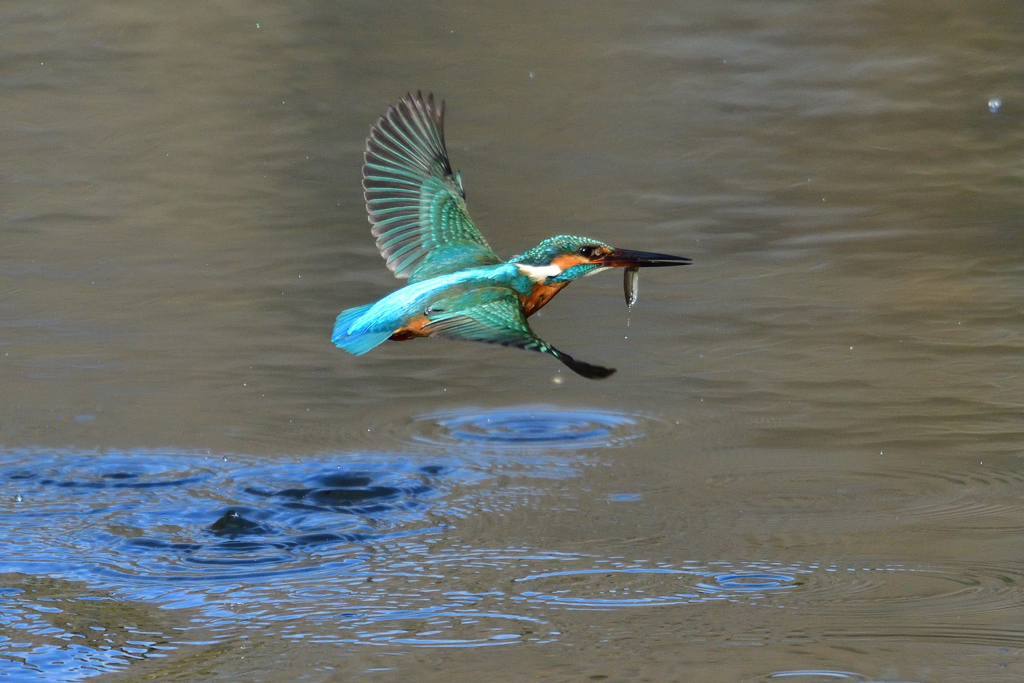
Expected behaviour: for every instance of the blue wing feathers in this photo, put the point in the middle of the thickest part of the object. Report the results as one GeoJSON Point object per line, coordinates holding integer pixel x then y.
{"type": "Point", "coordinates": [415, 204]}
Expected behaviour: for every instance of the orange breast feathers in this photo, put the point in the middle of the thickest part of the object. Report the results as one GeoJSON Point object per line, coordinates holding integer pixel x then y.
{"type": "Point", "coordinates": [539, 296]}
{"type": "Point", "coordinates": [542, 293]}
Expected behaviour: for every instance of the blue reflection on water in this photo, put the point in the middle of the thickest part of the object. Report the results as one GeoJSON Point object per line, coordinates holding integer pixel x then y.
{"type": "Point", "coordinates": [344, 541]}
{"type": "Point", "coordinates": [143, 517]}
{"type": "Point", "coordinates": [154, 515]}
{"type": "Point", "coordinates": [347, 549]}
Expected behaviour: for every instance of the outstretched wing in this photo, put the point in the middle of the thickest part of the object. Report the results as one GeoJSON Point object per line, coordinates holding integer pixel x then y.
{"type": "Point", "coordinates": [500, 320]}
{"type": "Point", "coordinates": [416, 207]}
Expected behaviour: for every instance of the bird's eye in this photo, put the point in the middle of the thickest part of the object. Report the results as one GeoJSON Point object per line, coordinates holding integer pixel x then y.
{"type": "Point", "coordinates": [586, 252]}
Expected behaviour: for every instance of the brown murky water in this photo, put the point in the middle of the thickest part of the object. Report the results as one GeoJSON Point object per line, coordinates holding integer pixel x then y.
{"type": "Point", "coordinates": [809, 465]}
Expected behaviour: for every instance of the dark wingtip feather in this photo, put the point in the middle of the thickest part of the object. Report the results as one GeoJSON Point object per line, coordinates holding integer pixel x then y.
{"type": "Point", "coordinates": [584, 369]}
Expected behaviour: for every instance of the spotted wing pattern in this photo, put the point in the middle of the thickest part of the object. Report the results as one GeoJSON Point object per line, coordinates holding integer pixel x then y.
{"type": "Point", "coordinates": [416, 206]}
{"type": "Point", "coordinates": [500, 320]}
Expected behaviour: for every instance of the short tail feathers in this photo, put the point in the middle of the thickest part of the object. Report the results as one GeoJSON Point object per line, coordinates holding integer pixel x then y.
{"type": "Point", "coordinates": [580, 368]}
{"type": "Point", "coordinates": [356, 343]}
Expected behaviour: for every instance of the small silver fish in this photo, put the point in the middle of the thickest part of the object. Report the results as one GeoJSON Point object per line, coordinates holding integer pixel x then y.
{"type": "Point", "coordinates": [631, 285]}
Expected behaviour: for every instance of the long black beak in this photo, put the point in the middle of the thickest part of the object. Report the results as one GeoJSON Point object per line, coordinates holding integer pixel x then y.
{"type": "Point", "coordinates": [628, 258]}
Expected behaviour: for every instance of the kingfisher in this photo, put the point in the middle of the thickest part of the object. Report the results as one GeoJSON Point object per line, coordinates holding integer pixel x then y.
{"type": "Point", "coordinates": [458, 287]}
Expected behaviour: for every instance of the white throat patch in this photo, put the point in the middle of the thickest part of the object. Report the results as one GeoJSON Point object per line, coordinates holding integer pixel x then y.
{"type": "Point", "coordinates": [539, 273]}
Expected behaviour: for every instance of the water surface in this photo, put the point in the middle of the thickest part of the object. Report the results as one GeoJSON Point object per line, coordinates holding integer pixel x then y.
{"type": "Point", "coordinates": [808, 466]}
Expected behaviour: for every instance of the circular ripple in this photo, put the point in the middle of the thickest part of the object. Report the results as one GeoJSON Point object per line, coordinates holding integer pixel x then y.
{"type": "Point", "coordinates": [638, 586]}
{"type": "Point", "coordinates": [809, 675]}
{"type": "Point", "coordinates": [983, 499]}
{"type": "Point", "coordinates": [447, 629]}
{"type": "Point", "coordinates": [752, 582]}
{"type": "Point", "coordinates": [529, 427]}
{"type": "Point", "coordinates": [933, 593]}
{"type": "Point", "coordinates": [818, 676]}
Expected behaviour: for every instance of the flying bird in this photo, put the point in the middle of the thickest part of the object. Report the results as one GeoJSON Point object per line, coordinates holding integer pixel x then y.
{"type": "Point", "coordinates": [458, 287]}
